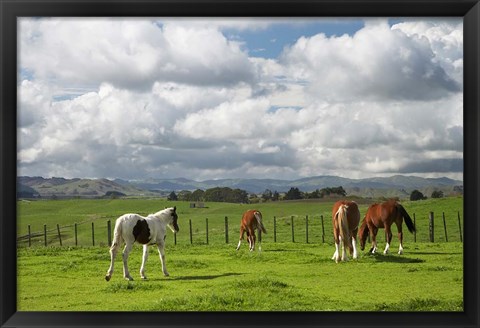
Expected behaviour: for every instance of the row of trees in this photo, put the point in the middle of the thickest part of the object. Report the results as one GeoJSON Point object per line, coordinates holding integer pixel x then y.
{"type": "Point", "coordinates": [418, 195]}
{"type": "Point", "coordinates": [229, 195]}
{"type": "Point", "coordinates": [225, 194]}
{"type": "Point", "coordinates": [217, 194]}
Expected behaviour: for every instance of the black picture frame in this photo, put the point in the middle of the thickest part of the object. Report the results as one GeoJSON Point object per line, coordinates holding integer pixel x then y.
{"type": "Point", "coordinates": [11, 10]}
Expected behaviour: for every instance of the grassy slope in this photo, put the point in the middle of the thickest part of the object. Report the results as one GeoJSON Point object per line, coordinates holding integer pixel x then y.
{"type": "Point", "coordinates": [284, 277]}
{"type": "Point", "coordinates": [67, 212]}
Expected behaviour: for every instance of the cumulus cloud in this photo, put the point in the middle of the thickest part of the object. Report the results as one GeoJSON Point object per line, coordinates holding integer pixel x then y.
{"type": "Point", "coordinates": [375, 63]}
{"type": "Point", "coordinates": [177, 98]}
{"type": "Point", "coordinates": [129, 53]}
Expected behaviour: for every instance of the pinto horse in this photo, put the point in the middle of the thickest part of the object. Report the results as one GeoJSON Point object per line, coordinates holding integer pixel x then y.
{"type": "Point", "coordinates": [150, 230]}
{"type": "Point", "coordinates": [345, 219]}
{"type": "Point", "coordinates": [251, 220]}
{"type": "Point", "coordinates": [383, 216]}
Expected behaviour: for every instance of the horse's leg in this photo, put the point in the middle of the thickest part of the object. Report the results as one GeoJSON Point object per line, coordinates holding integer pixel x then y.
{"type": "Point", "coordinates": [259, 240]}
{"type": "Point", "coordinates": [250, 238]}
{"type": "Point", "coordinates": [254, 239]}
{"type": "Point", "coordinates": [344, 249]}
{"type": "Point", "coordinates": [144, 260]}
{"type": "Point", "coordinates": [113, 254]}
{"type": "Point", "coordinates": [161, 253]}
{"type": "Point", "coordinates": [373, 236]}
{"type": "Point", "coordinates": [388, 232]}
{"type": "Point", "coordinates": [126, 251]}
{"type": "Point", "coordinates": [354, 242]}
{"type": "Point", "coordinates": [242, 232]}
{"type": "Point", "coordinates": [400, 238]}
{"type": "Point", "coordinates": [336, 255]}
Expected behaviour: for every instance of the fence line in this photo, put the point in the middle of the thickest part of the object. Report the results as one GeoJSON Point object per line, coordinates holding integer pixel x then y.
{"type": "Point", "coordinates": [313, 228]}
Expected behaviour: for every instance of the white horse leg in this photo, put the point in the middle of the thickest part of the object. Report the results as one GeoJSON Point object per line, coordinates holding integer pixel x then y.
{"type": "Point", "coordinates": [161, 253]}
{"type": "Point", "coordinates": [336, 255]}
{"type": "Point", "coordinates": [144, 260]}
{"type": "Point", "coordinates": [126, 251]}
{"type": "Point", "coordinates": [344, 250]}
{"type": "Point", "coordinates": [400, 249]}
{"type": "Point", "coordinates": [239, 243]}
{"type": "Point", "coordinates": [387, 247]}
{"type": "Point", "coordinates": [113, 255]}
{"type": "Point", "coordinates": [355, 254]}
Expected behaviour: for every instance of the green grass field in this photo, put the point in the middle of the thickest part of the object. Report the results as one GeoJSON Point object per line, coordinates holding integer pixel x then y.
{"type": "Point", "coordinates": [285, 276]}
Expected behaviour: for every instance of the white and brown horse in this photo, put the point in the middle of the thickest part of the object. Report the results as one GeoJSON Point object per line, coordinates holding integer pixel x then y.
{"type": "Point", "coordinates": [150, 230]}
{"type": "Point", "coordinates": [345, 219]}
{"type": "Point", "coordinates": [251, 221]}
{"type": "Point", "coordinates": [383, 216]}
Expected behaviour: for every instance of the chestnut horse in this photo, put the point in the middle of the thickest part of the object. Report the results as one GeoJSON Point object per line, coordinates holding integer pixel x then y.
{"type": "Point", "coordinates": [251, 220]}
{"type": "Point", "coordinates": [345, 219]}
{"type": "Point", "coordinates": [383, 216]}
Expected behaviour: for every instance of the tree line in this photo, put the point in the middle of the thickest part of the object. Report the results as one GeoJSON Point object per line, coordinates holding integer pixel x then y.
{"type": "Point", "coordinates": [226, 194]}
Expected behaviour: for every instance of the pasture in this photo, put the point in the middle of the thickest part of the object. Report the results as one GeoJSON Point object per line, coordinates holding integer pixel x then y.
{"type": "Point", "coordinates": [285, 276]}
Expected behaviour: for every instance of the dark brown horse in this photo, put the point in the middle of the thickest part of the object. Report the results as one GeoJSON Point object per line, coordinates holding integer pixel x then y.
{"type": "Point", "coordinates": [345, 219]}
{"type": "Point", "coordinates": [251, 221]}
{"type": "Point", "coordinates": [383, 216]}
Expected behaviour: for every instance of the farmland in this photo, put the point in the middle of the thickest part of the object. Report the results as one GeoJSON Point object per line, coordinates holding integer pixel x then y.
{"type": "Point", "coordinates": [285, 276]}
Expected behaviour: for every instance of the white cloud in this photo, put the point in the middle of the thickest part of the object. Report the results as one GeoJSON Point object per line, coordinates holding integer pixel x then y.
{"type": "Point", "coordinates": [178, 98]}
{"type": "Point", "coordinates": [377, 63]}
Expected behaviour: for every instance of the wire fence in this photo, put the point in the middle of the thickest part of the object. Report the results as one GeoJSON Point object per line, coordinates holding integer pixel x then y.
{"type": "Point", "coordinates": [294, 228]}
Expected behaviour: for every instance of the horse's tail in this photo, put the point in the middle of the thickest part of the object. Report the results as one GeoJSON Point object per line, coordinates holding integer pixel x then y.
{"type": "Point", "coordinates": [258, 217]}
{"type": "Point", "coordinates": [408, 219]}
{"type": "Point", "coordinates": [342, 223]}
{"type": "Point", "coordinates": [117, 234]}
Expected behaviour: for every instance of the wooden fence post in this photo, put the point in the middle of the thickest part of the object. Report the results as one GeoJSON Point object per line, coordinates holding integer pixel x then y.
{"type": "Point", "coordinates": [226, 230]}
{"type": "Point", "coordinates": [29, 237]}
{"type": "Point", "coordinates": [445, 226]}
{"type": "Point", "coordinates": [460, 227]}
{"type": "Point", "coordinates": [323, 230]}
{"type": "Point", "coordinates": [109, 233]}
{"type": "Point", "coordinates": [293, 230]}
{"type": "Point", "coordinates": [415, 226]}
{"type": "Point", "coordinates": [206, 228]}
{"type": "Point", "coordinates": [76, 235]}
{"type": "Point", "coordinates": [93, 234]}
{"type": "Point", "coordinates": [306, 228]}
{"type": "Point", "coordinates": [190, 224]}
{"type": "Point", "coordinates": [431, 226]}
{"type": "Point", "coordinates": [59, 236]}
{"type": "Point", "coordinates": [45, 234]}
{"type": "Point", "coordinates": [274, 229]}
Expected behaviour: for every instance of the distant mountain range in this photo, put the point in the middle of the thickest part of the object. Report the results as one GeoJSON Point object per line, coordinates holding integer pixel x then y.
{"type": "Point", "coordinates": [394, 186]}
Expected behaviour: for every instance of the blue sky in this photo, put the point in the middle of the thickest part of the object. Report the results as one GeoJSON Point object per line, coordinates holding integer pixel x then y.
{"type": "Point", "coordinates": [270, 42]}
{"type": "Point", "coordinates": [240, 98]}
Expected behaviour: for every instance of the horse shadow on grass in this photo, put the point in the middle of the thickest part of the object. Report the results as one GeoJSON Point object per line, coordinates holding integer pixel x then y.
{"type": "Point", "coordinates": [402, 259]}
{"type": "Point", "coordinates": [209, 277]}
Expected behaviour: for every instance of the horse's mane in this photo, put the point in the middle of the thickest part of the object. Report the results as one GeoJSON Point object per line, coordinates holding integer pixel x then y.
{"type": "Point", "coordinates": [161, 212]}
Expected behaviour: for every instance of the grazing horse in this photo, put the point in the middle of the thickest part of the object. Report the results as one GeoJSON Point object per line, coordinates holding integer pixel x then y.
{"type": "Point", "coordinates": [345, 219]}
{"type": "Point", "coordinates": [150, 230]}
{"type": "Point", "coordinates": [383, 216]}
{"type": "Point", "coordinates": [251, 220]}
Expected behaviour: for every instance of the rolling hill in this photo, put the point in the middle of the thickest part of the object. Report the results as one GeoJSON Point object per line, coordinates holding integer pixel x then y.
{"type": "Point", "coordinates": [394, 186]}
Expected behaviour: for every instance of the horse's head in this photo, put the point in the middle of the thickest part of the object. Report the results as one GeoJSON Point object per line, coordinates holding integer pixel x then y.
{"type": "Point", "coordinates": [363, 233]}
{"type": "Point", "coordinates": [173, 225]}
